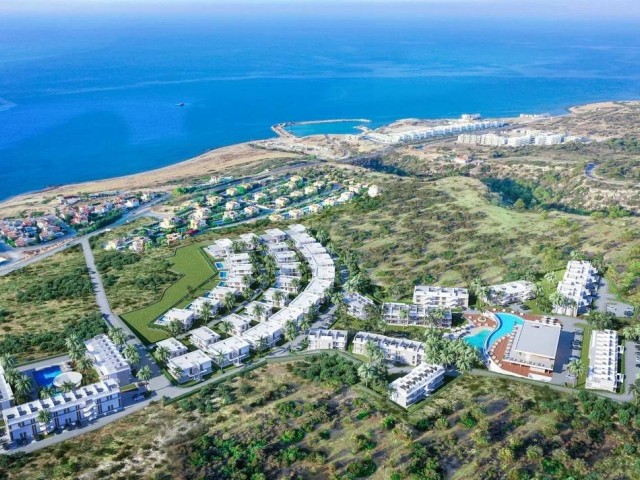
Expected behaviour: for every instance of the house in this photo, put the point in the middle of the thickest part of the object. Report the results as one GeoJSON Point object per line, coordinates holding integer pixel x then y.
{"type": "Point", "coordinates": [173, 346]}
{"type": "Point", "coordinates": [219, 293]}
{"type": "Point", "coordinates": [138, 244]}
{"type": "Point", "coordinates": [310, 190]}
{"type": "Point", "coordinates": [132, 203]}
{"type": "Point", "coordinates": [275, 235]}
{"type": "Point", "coordinates": [200, 304]}
{"type": "Point", "coordinates": [278, 300]}
{"type": "Point", "coordinates": [173, 238]}
{"type": "Point", "coordinates": [320, 339]}
{"type": "Point", "coordinates": [231, 205]}
{"type": "Point", "coordinates": [410, 352]}
{"type": "Point", "coordinates": [306, 300]}
{"type": "Point", "coordinates": [284, 256]}
{"type": "Point", "coordinates": [220, 248]}
{"type": "Point", "coordinates": [291, 269]}
{"type": "Point", "coordinates": [169, 223]}
{"type": "Point", "coordinates": [237, 282]}
{"type": "Point", "coordinates": [419, 383]}
{"type": "Point", "coordinates": [230, 215]}
{"type": "Point", "coordinates": [345, 197]}
{"type": "Point", "coordinates": [255, 307]}
{"type": "Point", "coordinates": [281, 202]}
{"type": "Point", "coordinates": [286, 315]}
{"type": "Point", "coordinates": [250, 240]}
{"type": "Point", "coordinates": [213, 200]}
{"type": "Point", "coordinates": [108, 362]}
{"type": "Point", "coordinates": [116, 244]}
{"type": "Point", "coordinates": [67, 410]}
{"type": "Point", "coordinates": [202, 337]}
{"type": "Point", "coordinates": [288, 284]}
{"type": "Point", "coordinates": [239, 258]}
{"type": "Point", "coordinates": [229, 352]}
{"type": "Point", "coordinates": [259, 196]}
{"type": "Point", "coordinates": [579, 286]}
{"type": "Point", "coordinates": [443, 297]}
{"type": "Point", "coordinates": [183, 316]}
{"type": "Point", "coordinates": [231, 191]}
{"type": "Point", "coordinates": [510, 292]}
{"type": "Point", "coordinates": [263, 336]}
{"type": "Point", "coordinates": [276, 217]}
{"type": "Point", "coordinates": [239, 323]}
{"type": "Point", "coordinates": [241, 270]}
{"type": "Point", "coordinates": [190, 366]}
{"type": "Point", "coordinates": [315, 208]}
{"type": "Point", "coordinates": [357, 305]}
{"type": "Point", "coordinates": [296, 194]}
{"type": "Point", "coordinates": [277, 247]}
{"type": "Point", "coordinates": [604, 355]}
{"type": "Point", "coordinates": [251, 211]}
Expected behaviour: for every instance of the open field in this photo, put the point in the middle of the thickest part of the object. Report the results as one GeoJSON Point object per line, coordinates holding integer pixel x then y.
{"type": "Point", "coordinates": [42, 300]}
{"type": "Point", "coordinates": [473, 428]}
{"type": "Point", "coordinates": [197, 276]}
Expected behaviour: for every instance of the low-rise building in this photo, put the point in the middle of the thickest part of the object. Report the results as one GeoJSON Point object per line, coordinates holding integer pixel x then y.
{"type": "Point", "coordinates": [276, 299]}
{"type": "Point", "coordinates": [510, 292]}
{"type": "Point", "coordinates": [320, 339]}
{"type": "Point", "coordinates": [6, 393]}
{"type": "Point", "coordinates": [417, 315]}
{"type": "Point", "coordinates": [220, 248]}
{"type": "Point", "coordinates": [107, 360]}
{"type": "Point", "coordinates": [258, 311]}
{"type": "Point", "coordinates": [202, 337]}
{"type": "Point", "coordinates": [443, 297]}
{"type": "Point", "coordinates": [604, 354]}
{"type": "Point", "coordinates": [173, 346]}
{"type": "Point", "coordinates": [238, 323]}
{"type": "Point", "coordinates": [410, 352]}
{"type": "Point", "coordinates": [229, 352]}
{"type": "Point", "coordinates": [263, 336]}
{"type": "Point", "coordinates": [579, 286]}
{"type": "Point", "coordinates": [220, 292]}
{"type": "Point", "coordinates": [419, 383]}
{"type": "Point", "coordinates": [202, 304]}
{"type": "Point", "coordinates": [357, 305]}
{"type": "Point", "coordinates": [281, 202]}
{"type": "Point", "coordinates": [190, 366]}
{"type": "Point", "coordinates": [181, 315]}
{"type": "Point", "coordinates": [288, 284]}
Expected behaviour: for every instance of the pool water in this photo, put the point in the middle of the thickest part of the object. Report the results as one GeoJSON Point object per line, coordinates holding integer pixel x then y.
{"type": "Point", "coordinates": [219, 265]}
{"type": "Point", "coordinates": [222, 284]}
{"type": "Point", "coordinates": [45, 376]}
{"type": "Point", "coordinates": [507, 322]}
{"type": "Point", "coordinates": [478, 338]}
{"type": "Point", "coordinates": [223, 274]}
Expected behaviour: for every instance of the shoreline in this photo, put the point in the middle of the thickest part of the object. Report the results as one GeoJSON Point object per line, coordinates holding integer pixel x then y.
{"type": "Point", "coordinates": [215, 161]}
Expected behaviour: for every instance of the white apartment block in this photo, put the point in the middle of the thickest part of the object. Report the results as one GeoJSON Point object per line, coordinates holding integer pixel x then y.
{"type": "Point", "coordinates": [320, 339]}
{"type": "Point", "coordinates": [107, 360]}
{"type": "Point", "coordinates": [190, 366]}
{"type": "Point", "coordinates": [510, 292]}
{"type": "Point", "coordinates": [443, 297]}
{"type": "Point", "coordinates": [604, 354]}
{"type": "Point", "coordinates": [357, 305]}
{"type": "Point", "coordinates": [183, 316]}
{"type": "Point", "coordinates": [426, 133]}
{"type": "Point", "coordinates": [419, 383]}
{"type": "Point", "coordinates": [229, 352]}
{"type": "Point", "coordinates": [173, 346]}
{"type": "Point", "coordinates": [82, 405]}
{"type": "Point", "coordinates": [580, 284]}
{"type": "Point", "coordinates": [199, 305]}
{"type": "Point", "coordinates": [412, 314]}
{"type": "Point", "coordinates": [239, 324]}
{"type": "Point", "coordinates": [6, 393]}
{"type": "Point", "coordinates": [202, 337]}
{"type": "Point", "coordinates": [400, 350]}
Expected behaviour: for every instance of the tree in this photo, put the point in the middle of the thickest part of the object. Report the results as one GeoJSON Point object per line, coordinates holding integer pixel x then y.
{"type": "Point", "coordinates": [117, 336]}
{"type": "Point", "coordinates": [279, 297]}
{"type": "Point", "coordinates": [262, 344]}
{"type": "Point", "coordinates": [144, 374]}
{"type": "Point", "coordinates": [322, 236]}
{"type": "Point", "coordinates": [7, 361]}
{"type": "Point", "coordinates": [290, 331]}
{"type": "Point", "coordinates": [558, 299]}
{"type": "Point", "coordinates": [206, 312]}
{"type": "Point", "coordinates": [359, 283]}
{"type": "Point", "coordinates": [366, 372]}
{"type": "Point", "coordinates": [550, 277]}
{"type": "Point", "coordinates": [436, 317]}
{"type": "Point", "coordinates": [238, 246]}
{"type": "Point", "coordinates": [44, 417]}
{"type": "Point", "coordinates": [226, 326]}
{"type": "Point", "coordinates": [175, 328]}
{"type": "Point", "coordinates": [258, 311]}
{"type": "Point", "coordinates": [576, 367]}
{"type": "Point", "coordinates": [131, 354]}
{"type": "Point", "coordinates": [22, 387]}
{"type": "Point", "coordinates": [220, 359]}
{"type": "Point", "coordinates": [404, 315]}
{"type": "Point", "coordinates": [374, 352]}
{"type": "Point", "coordinates": [46, 392]}
{"type": "Point", "coordinates": [73, 342]}
{"type": "Point", "coordinates": [480, 291]}
{"type": "Point", "coordinates": [634, 389]}
{"type": "Point", "coordinates": [229, 301]}
{"type": "Point", "coordinates": [162, 354]}
{"type": "Point", "coordinates": [84, 363]}
{"type": "Point", "coordinates": [601, 320]}
{"type": "Point", "coordinates": [305, 324]}
{"type": "Point", "coordinates": [77, 353]}
{"type": "Point", "coordinates": [67, 386]}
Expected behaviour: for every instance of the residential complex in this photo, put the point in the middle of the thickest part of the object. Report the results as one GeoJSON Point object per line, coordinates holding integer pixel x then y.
{"type": "Point", "coordinates": [410, 352]}
{"type": "Point", "coordinates": [107, 360]}
{"type": "Point", "coordinates": [427, 133]}
{"type": "Point", "coordinates": [203, 337]}
{"type": "Point", "coordinates": [517, 138]}
{"type": "Point", "coordinates": [320, 339]}
{"type": "Point", "coordinates": [510, 292]}
{"type": "Point", "coordinates": [442, 297]}
{"type": "Point", "coordinates": [604, 354]}
{"type": "Point", "coordinates": [231, 351]}
{"type": "Point", "coordinates": [6, 393]}
{"type": "Point", "coordinates": [67, 409]}
{"type": "Point", "coordinates": [419, 383]}
{"type": "Point", "coordinates": [579, 286]}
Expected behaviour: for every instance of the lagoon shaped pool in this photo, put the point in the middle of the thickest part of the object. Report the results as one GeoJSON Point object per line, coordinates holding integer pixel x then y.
{"type": "Point", "coordinates": [507, 323]}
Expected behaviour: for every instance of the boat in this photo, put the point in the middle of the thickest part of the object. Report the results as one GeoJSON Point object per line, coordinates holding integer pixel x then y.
{"type": "Point", "coordinates": [181, 104]}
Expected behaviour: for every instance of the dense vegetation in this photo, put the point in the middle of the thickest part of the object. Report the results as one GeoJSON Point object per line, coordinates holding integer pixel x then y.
{"type": "Point", "coordinates": [75, 284]}
{"type": "Point", "coordinates": [331, 369]}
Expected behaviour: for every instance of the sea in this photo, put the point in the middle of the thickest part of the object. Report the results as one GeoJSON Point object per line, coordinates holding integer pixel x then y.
{"type": "Point", "coordinates": [86, 96]}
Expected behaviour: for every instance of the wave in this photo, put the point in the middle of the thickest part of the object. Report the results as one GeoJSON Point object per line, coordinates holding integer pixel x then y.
{"type": "Point", "coordinates": [6, 105]}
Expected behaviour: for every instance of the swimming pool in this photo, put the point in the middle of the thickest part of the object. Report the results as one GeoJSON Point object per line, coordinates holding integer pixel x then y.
{"type": "Point", "coordinates": [222, 284]}
{"type": "Point", "coordinates": [478, 338]}
{"type": "Point", "coordinates": [223, 274]}
{"type": "Point", "coordinates": [219, 265]}
{"type": "Point", "coordinates": [45, 376]}
{"type": "Point", "coordinates": [486, 338]}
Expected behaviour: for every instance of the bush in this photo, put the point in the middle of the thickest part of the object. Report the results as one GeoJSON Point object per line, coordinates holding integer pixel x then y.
{"type": "Point", "coordinates": [292, 436]}
{"type": "Point", "coordinates": [72, 285]}
{"type": "Point", "coordinates": [361, 468]}
{"type": "Point", "coordinates": [389, 423]}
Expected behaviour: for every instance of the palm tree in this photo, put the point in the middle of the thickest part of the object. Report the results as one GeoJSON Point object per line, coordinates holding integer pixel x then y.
{"type": "Point", "coordinates": [117, 336]}
{"type": "Point", "coordinates": [305, 324]}
{"type": "Point", "coordinates": [295, 283]}
{"type": "Point", "coordinates": [68, 386]}
{"type": "Point", "coordinates": [436, 316]}
{"type": "Point", "coordinates": [247, 280]}
{"type": "Point", "coordinates": [84, 363]}
{"type": "Point", "coordinates": [576, 367]}
{"type": "Point", "coordinates": [478, 288]}
{"type": "Point", "coordinates": [162, 354]}
{"type": "Point", "coordinates": [238, 246]}
{"type": "Point", "coordinates": [322, 236]}
{"type": "Point", "coordinates": [550, 277]}
{"type": "Point", "coordinates": [355, 283]}
{"type": "Point", "coordinates": [7, 361]}
{"type": "Point", "coordinates": [229, 301]}
{"type": "Point", "coordinates": [73, 342]}
{"type": "Point", "coordinates": [46, 392]}
{"type": "Point", "coordinates": [366, 372]}
{"type": "Point", "coordinates": [44, 417]}
{"type": "Point", "coordinates": [634, 389]}
{"type": "Point", "coordinates": [262, 344]}
{"type": "Point", "coordinates": [225, 326]}
{"type": "Point", "coordinates": [131, 354]}
{"type": "Point", "coordinates": [175, 328]}
{"type": "Point", "coordinates": [279, 298]}
{"type": "Point", "coordinates": [206, 311]}
{"type": "Point", "coordinates": [77, 353]}
{"type": "Point", "coordinates": [290, 331]}
{"type": "Point", "coordinates": [22, 387]}
{"type": "Point", "coordinates": [144, 374]}
{"type": "Point", "coordinates": [219, 358]}
{"type": "Point", "coordinates": [557, 298]}
{"type": "Point", "coordinates": [11, 375]}
{"type": "Point", "coordinates": [258, 311]}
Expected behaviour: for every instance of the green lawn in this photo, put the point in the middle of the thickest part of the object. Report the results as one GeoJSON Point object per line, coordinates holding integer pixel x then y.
{"type": "Point", "coordinates": [198, 275]}
{"type": "Point", "coordinates": [584, 355]}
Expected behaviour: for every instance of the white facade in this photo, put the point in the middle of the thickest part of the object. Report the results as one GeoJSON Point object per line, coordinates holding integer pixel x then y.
{"type": "Point", "coordinates": [180, 315]}
{"type": "Point", "coordinates": [173, 346]}
{"type": "Point", "coordinates": [265, 334]}
{"type": "Point", "coordinates": [67, 409]}
{"type": "Point", "coordinates": [199, 304]}
{"type": "Point", "coordinates": [510, 292]}
{"type": "Point", "coordinates": [219, 293]}
{"type": "Point", "coordinates": [443, 297]}
{"type": "Point", "coordinates": [419, 383]}
{"type": "Point", "coordinates": [320, 339]}
{"type": "Point", "coordinates": [357, 305]}
{"type": "Point", "coordinates": [202, 337]}
{"type": "Point", "coordinates": [270, 297]}
{"type": "Point", "coordinates": [220, 248]}
{"type": "Point", "coordinates": [107, 360]}
{"type": "Point", "coordinates": [190, 366]}
{"type": "Point", "coordinates": [579, 284]}
{"type": "Point", "coordinates": [412, 314]}
{"type": "Point", "coordinates": [6, 393]}
{"type": "Point", "coordinates": [239, 324]}
{"type": "Point", "coordinates": [253, 309]}
{"type": "Point", "coordinates": [229, 352]}
{"type": "Point", "coordinates": [604, 353]}
{"type": "Point", "coordinates": [399, 350]}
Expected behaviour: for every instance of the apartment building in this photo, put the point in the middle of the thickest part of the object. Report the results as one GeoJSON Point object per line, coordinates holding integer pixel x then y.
{"type": "Point", "coordinates": [357, 305]}
{"type": "Point", "coordinates": [6, 393]}
{"type": "Point", "coordinates": [443, 297]}
{"type": "Point", "coordinates": [67, 409]}
{"type": "Point", "coordinates": [399, 350]}
{"type": "Point", "coordinates": [107, 360]}
{"type": "Point", "coordinates": [579, 284]}
{"type": "Point", "coordinates": [604, 354]}
{"type": "Point", "coordinates": [321, 339]}
{"type": "Point", "coordinates": [411, 314]}
{"type": "Point", "coordinates": [510, 292]}
{"type": "Point", "coordinates": [419, 383]}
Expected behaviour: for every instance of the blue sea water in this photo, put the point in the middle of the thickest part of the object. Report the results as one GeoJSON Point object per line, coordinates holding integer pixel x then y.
{"type": "Point", "coordinates": [85, 97]}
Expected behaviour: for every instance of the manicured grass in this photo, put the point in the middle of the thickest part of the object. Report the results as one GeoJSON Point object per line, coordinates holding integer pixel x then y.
{"type": "Point", "coordinates": [199, 275]}
{"type": "Point", "coordinates": [584, 354]}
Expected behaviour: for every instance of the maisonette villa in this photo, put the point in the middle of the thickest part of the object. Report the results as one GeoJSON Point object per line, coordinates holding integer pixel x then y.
{"type": "Point", "coordinates": [419, 383]}
{"type": "Point", "coordinates": [263, 336]}
{"type": "Point", "coordinates": [579, 285]}
{"type": "Point", "coordinates": [510, 292]}
{"type": "Point", "coordinates": [190, 366]}
{"type": "Point", "coordinates": [67, 409]}
{"type": "Point", "coordinates": [287, 314]}
{"type": "Point", "coordinates": [237, 282]}
{"type": "Point", "coordinates": [181, 315]}
{"type": "Point", "coordinates": [399, 350]}
{"type": "Point", "coordinates": [258, 311]}
{"type": "Point", "coordinates": [239, 258]}
{"type": "Point", "coordinates": [173, 346]}
{"type": "Point", "coordinates": [239, 323]}
{"type": "Point", "coordinates": [277, 247]}
{"type": "Point", "coordinates": [306, 300]}
{"type": "Point", "coordinates": [202, 304]}
{"type": "Point", "coordinates": [288, 284]}
{"type": "Point", "coordinates": [229, 352]}
{"type": "Point", "coordinates": [357, 305]}
{"type": "Point", "coordinates": [443, 297]}
{"type": "Point", "coordinates": [321, 339]}
{"type": "Point", "coordinates": [203, 337]}
{"type": "Point", "coordinates": [277, 300]}
{"type": "Point", "coordinates": [221, 248]}
{"type": "Point", "coordinates": [604, 355]}
{"type": "Point", "coordinates": [285, 256]}
{"type": "Point", "coordinates": [220, 292]}
{"type": "Point", "coordinates": [6, 393]}
{"type": "Point", "coordinates": [274, 235]}
{"type": "Point", "coordinates": [250, 240]}
{"type": "Point", "coordinates": [290, 269]}
{"type": "Point", "coordinates": [418, 315]}
{"type": "Point", "coordinates": [108, 362]}
{"type": "Point", "coordinates": [241, 270]}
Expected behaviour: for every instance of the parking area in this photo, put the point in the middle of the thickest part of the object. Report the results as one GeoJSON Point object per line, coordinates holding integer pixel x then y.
{"type": "Point", "coordinates": [569, 348]}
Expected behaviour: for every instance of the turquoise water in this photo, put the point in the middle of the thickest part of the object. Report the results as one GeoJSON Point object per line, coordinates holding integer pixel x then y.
{"type": "Point", "coordinates": [219, 265]}
{"type": "Point", "coordinates": [44, 377]}
{"type": "Point", "coordinates": [223, 274]}
{"type": "Point", "coordinates": [508, 321]}
{"type": "Point", "coordinates": [477, 339]}
{"type": "Point", "coordinates": [336, 128]}
{"type": "Point", "coordinates": [96, 94]}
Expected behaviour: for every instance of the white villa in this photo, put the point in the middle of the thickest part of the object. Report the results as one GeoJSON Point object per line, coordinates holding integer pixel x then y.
{"type": "Point", "coordinates": [202, 337]}
{"type": "Point", "coordinates": [443, 297]}
{"type": "Point", "coordinates": [220, 248]}
{"type": "Point", "coordinates": [510, 292]}
{"type": "Point", "coordinates": [240, 270]}
{"type": "Point", "coordinates": [419, 383]}
{"type": "Point", "coordinates": [604, 353]}
{"type": "Point", "coordinates": [277, 247]}
{"type": "Point", "coordinates": [239, 324]}
{"type": "Point", "coordinates": [107, 360]}
{"type": "Point", "coordinates": [199, 304]}
{"type": "Point", "coordinates": [274, 235]}
{"type": "Point", "coordinates": [183, 316]}
{"type": "Point", "coordinates": [173, 346]}
{"type": "Point", "coordinates": [190, 366]}
{"type": "Point", "coordinates": [239, 259]}
{"type": "Point", "coordinates": [219, 293]}
{"type": "Point", "coordinates": [82, 405]}
{"type": "Point", "coordinates": [270, 297]}
{"type": "Point", "coordinates": [320, 339]}
{"type": "Point", "coordinates": [286, 283]}
{"type": "Point", "coordinates": [236, 282]}
{"type": "Point", "coordinates": [579, 284]}
{"type": "Point", "coordinates": [287, 314]}
{"type": "Point", "coordinates": [358, 305]}
{"type": "Point", "coordinates": [400, 350]}
{"type": "Point", "coordinates": [267, 332]}
{"type": "Point", "coordinates": [254, 308]}
{"type": "Point", "coordinates": [233, 350]}
{"type": "Point", "coordinates": [285, 256]}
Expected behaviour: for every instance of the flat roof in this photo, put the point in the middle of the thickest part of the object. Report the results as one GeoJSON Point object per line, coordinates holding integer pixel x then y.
{"type": "Point", "coordinates": [538, 339]}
